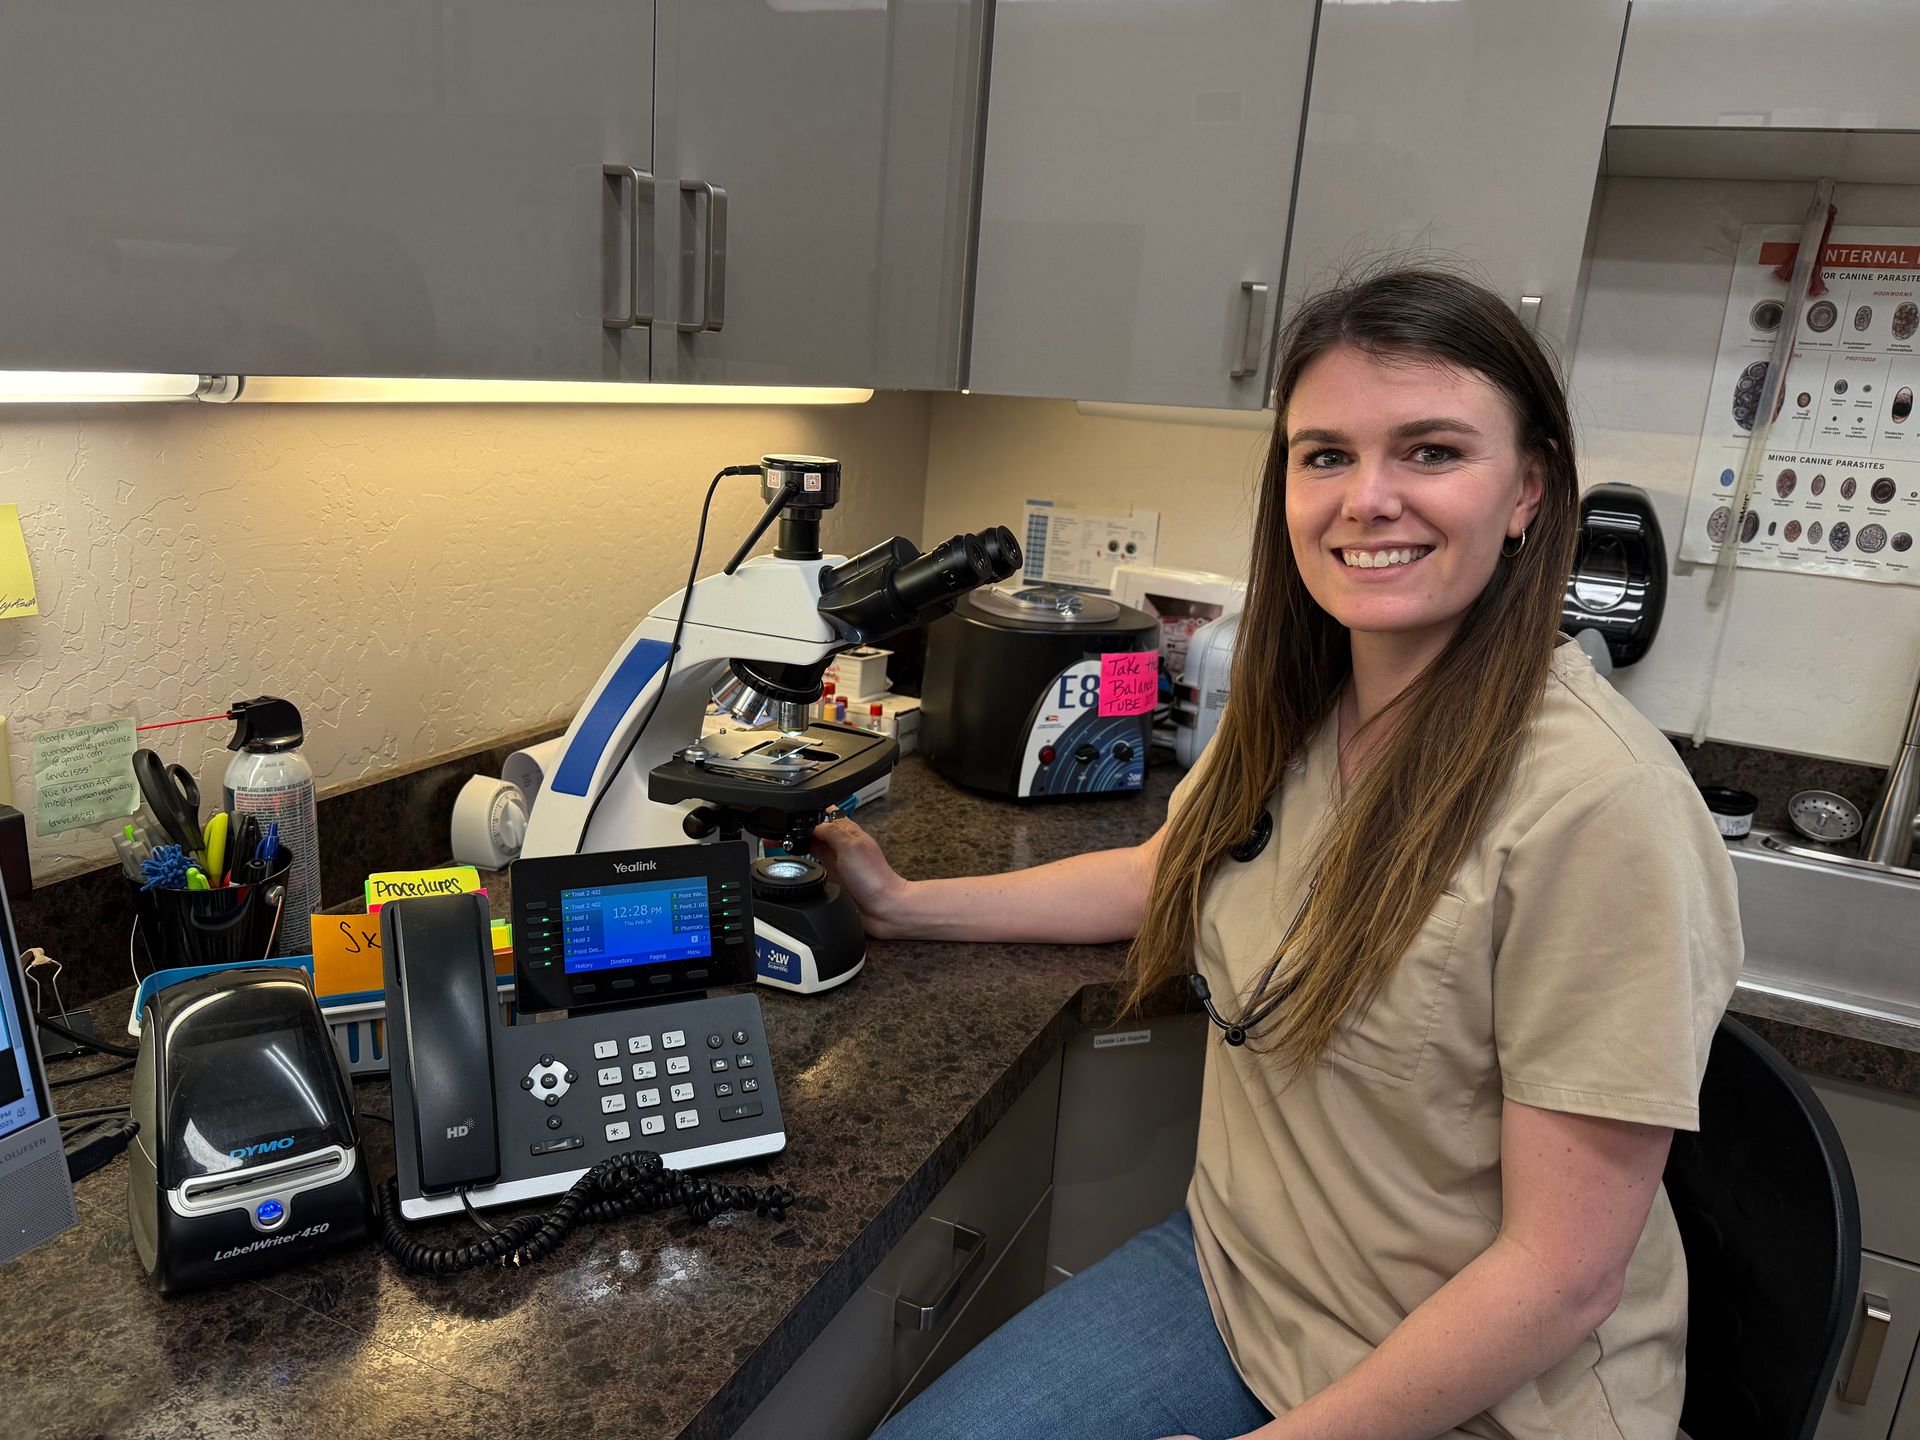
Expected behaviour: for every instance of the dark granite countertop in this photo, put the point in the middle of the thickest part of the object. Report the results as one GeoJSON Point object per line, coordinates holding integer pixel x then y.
{"type": "Point", "coordinates": [645, 1327]}
{"type": "Point", "coordinates": [651, 1326]}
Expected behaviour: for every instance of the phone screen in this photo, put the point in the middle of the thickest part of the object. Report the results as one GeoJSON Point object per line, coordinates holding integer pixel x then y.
{"type": "Point", "coordinates": [604, 927]}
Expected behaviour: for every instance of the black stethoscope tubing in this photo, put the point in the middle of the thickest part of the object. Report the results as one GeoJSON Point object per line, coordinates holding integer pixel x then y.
{"type": "Point", "coordinates": [1236, 1031]}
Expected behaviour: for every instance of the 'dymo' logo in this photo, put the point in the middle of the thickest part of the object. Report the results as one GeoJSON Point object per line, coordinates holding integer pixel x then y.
{"type": "Point", "coordinates": [265, 1147]}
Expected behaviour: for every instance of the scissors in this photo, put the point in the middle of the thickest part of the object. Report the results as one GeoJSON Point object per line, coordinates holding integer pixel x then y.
{"type": "Point", "coordinates": [172, 794]}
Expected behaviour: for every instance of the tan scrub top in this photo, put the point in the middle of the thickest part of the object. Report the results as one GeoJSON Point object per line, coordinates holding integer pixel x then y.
{"type": "Point", "coordinates": [1579, 961]}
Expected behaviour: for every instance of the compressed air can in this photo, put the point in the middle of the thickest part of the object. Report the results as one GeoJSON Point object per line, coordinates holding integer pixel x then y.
{"type": "Point", "coordinates": [270, 780]}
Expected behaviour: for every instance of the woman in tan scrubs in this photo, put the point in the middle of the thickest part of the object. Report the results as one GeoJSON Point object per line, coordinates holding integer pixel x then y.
{"type": "Point", "coordinates": [1466, 930]}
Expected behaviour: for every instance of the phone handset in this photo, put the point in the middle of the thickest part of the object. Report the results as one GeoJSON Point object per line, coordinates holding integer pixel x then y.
{"type": "Point", "coordinates": [437, 953]}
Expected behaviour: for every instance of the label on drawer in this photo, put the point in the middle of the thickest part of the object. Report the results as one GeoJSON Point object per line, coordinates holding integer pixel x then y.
{"type": "Point", "coordinates": [1122, 1037]}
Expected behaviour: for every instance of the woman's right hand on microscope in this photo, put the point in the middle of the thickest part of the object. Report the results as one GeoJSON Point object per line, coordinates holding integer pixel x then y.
{"type": "Point", "coordinates": [854, 861]}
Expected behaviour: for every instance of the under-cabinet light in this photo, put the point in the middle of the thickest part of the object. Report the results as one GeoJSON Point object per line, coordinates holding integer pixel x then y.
{"type": "Point", "coordinates": [356, 390]}
{"type": "Point", "coordinates": [1177, 414]}
{"type": "Point", "coordinates": [97, 387]}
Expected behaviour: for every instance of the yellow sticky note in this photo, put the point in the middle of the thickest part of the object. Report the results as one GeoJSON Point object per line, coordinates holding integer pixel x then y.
{"type": "Point", "coordinates": [412, 884]}
{"type": "Point", "coordinates": [346, 954]}
{"type": "Point", "coordinates": [17, 596]}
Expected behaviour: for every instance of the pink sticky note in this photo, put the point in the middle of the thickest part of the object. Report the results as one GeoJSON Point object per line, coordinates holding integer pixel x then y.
{"type": "Point", "coordinates": [1129, 682]}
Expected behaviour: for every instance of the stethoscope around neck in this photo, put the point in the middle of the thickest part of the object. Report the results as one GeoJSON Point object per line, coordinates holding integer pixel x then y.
{"type": "Point", "coordinates": [1236, 1031]}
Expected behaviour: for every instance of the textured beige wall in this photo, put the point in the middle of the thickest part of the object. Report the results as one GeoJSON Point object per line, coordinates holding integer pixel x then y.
{"type": "Point", "coordinates": [416, 579]}
{"type": "Point", "coordinates": [988, 455]}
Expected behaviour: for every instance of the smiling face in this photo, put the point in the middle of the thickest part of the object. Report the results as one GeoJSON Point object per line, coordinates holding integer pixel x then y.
{"type": "Point", "coordinates": [1403, 481]}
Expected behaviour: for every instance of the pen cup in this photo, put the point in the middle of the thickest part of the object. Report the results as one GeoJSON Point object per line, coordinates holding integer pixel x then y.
{"type": "Point", "coordinates": [226, 926]}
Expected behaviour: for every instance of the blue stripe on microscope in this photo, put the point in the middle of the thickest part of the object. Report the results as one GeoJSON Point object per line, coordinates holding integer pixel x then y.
{"type": "Point", "coordinates": [643, 662]}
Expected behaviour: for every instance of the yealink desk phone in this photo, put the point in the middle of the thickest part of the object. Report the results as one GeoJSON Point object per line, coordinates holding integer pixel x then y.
{"type": "Point", "coordinates": [615, 1048]}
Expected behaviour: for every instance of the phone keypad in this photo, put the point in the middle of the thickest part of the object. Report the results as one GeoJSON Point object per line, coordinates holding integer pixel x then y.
{"type": "Point", "coordinates": [719, 1092]}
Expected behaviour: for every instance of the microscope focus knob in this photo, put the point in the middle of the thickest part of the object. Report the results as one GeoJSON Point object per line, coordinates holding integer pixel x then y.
{"type": "Point", "coordinates": [700, 822]}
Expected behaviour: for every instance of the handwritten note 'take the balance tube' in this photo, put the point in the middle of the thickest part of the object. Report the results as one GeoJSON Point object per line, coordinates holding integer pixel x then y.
{"type": "Point", "coordinates": [17, 594]}
{"type": "Point", "coordinates": [1129, 682]}
{"type": "Point", "coordinates": [83, 774]}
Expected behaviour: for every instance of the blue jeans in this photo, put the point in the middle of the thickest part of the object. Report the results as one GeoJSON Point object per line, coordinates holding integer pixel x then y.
{"type": "Point", "coordinates": [1125, 1350]}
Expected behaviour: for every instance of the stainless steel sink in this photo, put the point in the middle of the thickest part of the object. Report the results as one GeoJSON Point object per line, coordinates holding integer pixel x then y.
{"type": "Point", "coordinates": [1821, 929]}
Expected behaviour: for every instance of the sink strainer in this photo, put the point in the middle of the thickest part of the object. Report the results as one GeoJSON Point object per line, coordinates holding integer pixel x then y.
{"type": "Point", "coordinates": [1824, 816]}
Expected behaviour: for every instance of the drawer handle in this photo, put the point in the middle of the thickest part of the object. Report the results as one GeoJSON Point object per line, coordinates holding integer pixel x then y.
{"type": "Point", "coordinates": [1866, 1359]}
{"type": "Point", "coordinates": [971, 1246]}
{"type": "Point", "coordinates": [1253, 306]}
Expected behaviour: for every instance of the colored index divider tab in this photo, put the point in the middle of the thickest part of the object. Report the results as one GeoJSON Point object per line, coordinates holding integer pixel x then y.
{"type": "Point", "coordinates": [412, 884]}
{"type": "Point", "coordinates": [17, 594]}
{"type": "Point", "coordinates": [346, 954]}
{"type": "Point", "coordinates": [1129, 682]}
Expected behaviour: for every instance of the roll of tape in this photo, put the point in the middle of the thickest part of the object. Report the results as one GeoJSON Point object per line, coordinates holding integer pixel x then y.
{"type": "Point", "coordinates": [489, 822]}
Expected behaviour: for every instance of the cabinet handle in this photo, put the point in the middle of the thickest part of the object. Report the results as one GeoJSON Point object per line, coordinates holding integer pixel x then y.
{"type": "Point", "coordinates": [925, 1314]}
{"type": "Point", "coordinates": [637, 252]}
{"type": "Point", "coordinates": [1866, 1359]}
{"type": "Point", "coordinates": [712, 243]}
{"type": "Point", "coordinates": [1529, 311]}
{"type": "Point", "coordinates": [1253, 307]}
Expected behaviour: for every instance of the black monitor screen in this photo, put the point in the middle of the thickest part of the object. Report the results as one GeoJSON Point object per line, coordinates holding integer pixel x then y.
{"type": "Point", "coordinates": [22, 1102]}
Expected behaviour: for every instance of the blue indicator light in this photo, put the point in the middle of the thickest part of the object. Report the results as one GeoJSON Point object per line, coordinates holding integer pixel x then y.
{"type": "Point", "coordinates": [270, 1212]}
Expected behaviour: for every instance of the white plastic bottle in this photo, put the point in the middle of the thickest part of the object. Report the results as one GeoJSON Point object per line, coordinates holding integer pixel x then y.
{"type": "Point", "coordinates": [270, 780]}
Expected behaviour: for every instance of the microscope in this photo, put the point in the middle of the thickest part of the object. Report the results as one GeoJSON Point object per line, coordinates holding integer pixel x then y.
{"type": "Point", "coordinates": [633, 769]}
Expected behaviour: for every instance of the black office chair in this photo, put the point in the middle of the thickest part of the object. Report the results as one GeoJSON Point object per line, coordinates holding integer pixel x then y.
{"type": "Point", "coordinates": [1771, 1225]}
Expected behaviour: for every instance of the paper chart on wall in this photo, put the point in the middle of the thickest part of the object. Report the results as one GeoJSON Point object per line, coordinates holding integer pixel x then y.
{"type": "Point", "coordinates": [1839, 493]}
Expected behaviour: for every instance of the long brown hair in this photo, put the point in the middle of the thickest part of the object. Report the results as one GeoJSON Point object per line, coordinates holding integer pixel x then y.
{"type": "Point", "coordinates": [1409, 821]}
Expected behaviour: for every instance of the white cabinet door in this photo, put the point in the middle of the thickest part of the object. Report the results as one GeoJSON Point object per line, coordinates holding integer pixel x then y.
{"type": "Point", "coordinates": [1468, 132]}
{"type": "Point", "coordinates": [1773, 64]}
{"type": "Point", "coordinates": [842, 137]}
{"type": "Point", "coordinates": [1133, 212]}
{"type": "Point", "coordinates": [355, 187]}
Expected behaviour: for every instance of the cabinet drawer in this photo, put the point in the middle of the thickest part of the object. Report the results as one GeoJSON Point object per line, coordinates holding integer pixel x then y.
{"type": "Point", "coordinates": [1015, 1283]}
{"type": "Point", "coordinates": [854, 1371]}
{"type": "Point", "coordinates": [1893, 1289]}
{"type": "Point", "coordinates": [1882, 1135]}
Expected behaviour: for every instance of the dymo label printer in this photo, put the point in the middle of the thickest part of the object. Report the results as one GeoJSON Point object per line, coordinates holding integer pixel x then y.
{"type": "Point", "coordinates": [247, 1159]}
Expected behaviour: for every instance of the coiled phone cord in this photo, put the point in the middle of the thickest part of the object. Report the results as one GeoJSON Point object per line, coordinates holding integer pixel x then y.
{"type": "Point", "coordinates": [619, 1185]}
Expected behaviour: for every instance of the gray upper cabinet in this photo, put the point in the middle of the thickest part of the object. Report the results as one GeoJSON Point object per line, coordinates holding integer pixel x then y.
{"type": "Point", "coordinates": [1134, 198]}
{"type": "Point", "coordinates": [1770, 64]}
{"type": "Point", "coordinates": [1471, 132]}
{"type": "Point", "coordinates": [361, 187]}
{"type": "Point", "coordinates": [815, 193]}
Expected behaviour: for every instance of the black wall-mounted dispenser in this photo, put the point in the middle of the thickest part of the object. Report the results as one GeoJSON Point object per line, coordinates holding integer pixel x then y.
{"type": "Point", "coordinates": [1619, 582]}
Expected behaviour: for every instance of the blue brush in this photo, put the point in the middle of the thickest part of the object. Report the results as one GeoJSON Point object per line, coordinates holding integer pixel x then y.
{"type": "Point", "coordinates": [166, 868]}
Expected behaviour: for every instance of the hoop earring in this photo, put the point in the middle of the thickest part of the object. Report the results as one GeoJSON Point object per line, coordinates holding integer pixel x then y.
{"type": "Point", "coordinates": [1516, 549]}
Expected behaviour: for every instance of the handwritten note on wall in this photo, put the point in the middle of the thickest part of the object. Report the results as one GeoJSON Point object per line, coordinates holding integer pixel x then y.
{"type": "Point", "coordinates": [83, 774]}
{"type": "Point", "coordinates": [1129, 682]}
{"type": "Point", "coordinates": [17, 594]}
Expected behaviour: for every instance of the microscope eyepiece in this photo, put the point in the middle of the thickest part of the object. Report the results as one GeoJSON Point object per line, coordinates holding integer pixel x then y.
{"type": "Point", "coordinates": [1003, 551]}
{"type": "Point", "coordinates": [949, 569]}
{"type": "Point", "coordinates": [891, 588]}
